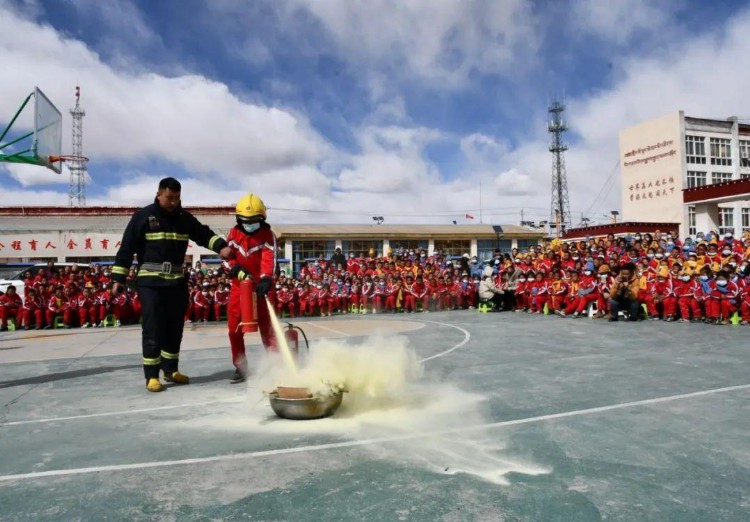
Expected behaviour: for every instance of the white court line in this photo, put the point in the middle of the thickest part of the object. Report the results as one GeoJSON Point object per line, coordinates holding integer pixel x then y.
{"type": "Point", "coordinates": [329, 329]}
{"type": "Point", "coordinates": [467, 336]}
{"type": "Point", "coordinates": [366, 442]}
{"type": "Point", "coordinates": [124, 412]}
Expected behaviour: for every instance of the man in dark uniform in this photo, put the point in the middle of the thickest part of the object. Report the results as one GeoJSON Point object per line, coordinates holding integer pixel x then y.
{"type": "Point", "coordinates": [158, 235]}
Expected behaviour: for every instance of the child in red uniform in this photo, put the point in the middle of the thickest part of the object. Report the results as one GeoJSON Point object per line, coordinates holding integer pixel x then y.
{"type": "Point", "coordinates": [725, 296]}
{"type": "Point", "coordinates": [558, 290]}
{"type": "Point", "coordinates": [86, 310]}
{"type": "Point", "coordinates": [11, 307]}
{"type": "Point", "coordinates": [663, 296]}
{"type": "Point", "coordinates": [745, 305]}
{"type": "Point", "coordinates": [202, 304]}
{"type": "Point", "coordinates": [520, 293]}
{"type": "Point", "coordinates": [33, 310]}
{"type": "Point", "coordinates": [587, 293]}
{"type": "Point", "coordinates": [685, 289]}
{"type": "Point", "coordinates": [57, 306]}
{"type": "Point", "coordinates": [302, 295]}
{"type": "Point", "coordinates": [604, 284]}
{"type": "Point", "coordinates": [221, 300]}
{"type": "Point", "coordinates": [468, 293]}
{"type": "Point", "coordinates": [285, 301]}
{"type": "Point", "coordinates": [539, 294]}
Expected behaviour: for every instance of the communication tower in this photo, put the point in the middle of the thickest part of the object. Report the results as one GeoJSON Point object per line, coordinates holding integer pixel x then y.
{"type": "Point", "coordinates": [77, 162]}
{"type": "Point", "coordinates": [560, 212]}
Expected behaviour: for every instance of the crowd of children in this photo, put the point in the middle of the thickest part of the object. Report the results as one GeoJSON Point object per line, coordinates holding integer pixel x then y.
{"type": "Point", "coordinates": [68, 296]}
{"type": "Point", "coordinates": [701, 279]}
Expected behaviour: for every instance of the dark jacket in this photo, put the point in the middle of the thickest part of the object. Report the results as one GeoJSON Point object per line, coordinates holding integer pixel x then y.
{"type": "Point", "coordinates": [154, 236]}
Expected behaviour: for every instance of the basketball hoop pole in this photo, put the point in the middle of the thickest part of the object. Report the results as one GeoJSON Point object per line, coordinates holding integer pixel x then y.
{"type": "Point", "coordinates": [7, 129]}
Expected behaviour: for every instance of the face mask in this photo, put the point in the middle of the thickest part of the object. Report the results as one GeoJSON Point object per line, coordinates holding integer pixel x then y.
{"type": "Point", "coordinates": [721, 282]}
{"type": "Point", "coordinates": [704, 278]}
{"type": "Point", "coordinates": [250, 227]}
{"type": "Point", "coordinates": [278, 286]}
{"type": "Point", "coordinates": [587, 272]}
{"type": "Point", "coordinates": [465, 280]}
{"type": "Point", "coordinates": [205, 292]}
{"type": "Point", "coordinates": [733, 263]}
{"type": "Point", "coordinates": [521, 279]}
{"type": "Point", "coordinates": [726, 252]}
{"type": "Point", "coordinates": [637, 238]}
{"type": "Point", "coordinates": [603, 277]}
{"type": "Point", "coordinates": [659, 256]}
{"type": "Point", "coordinates": [576, 258]}
{"type": "Point", "coordinates": [650, 256]}
{"type": "Point", "coordinates": [685, 278]}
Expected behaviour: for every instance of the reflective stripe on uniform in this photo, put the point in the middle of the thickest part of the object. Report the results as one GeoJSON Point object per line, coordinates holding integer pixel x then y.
{"type": "Point", "coordinates": [171, 356]}
{"type": "Point", "coordinates": [154, 236]}
{"type": "Point", "coordinates": [120, 270]}
{"type": "Point", "coordinates": [152, 362]}
{"type": "Point", "coordinates": [213, 241]}
{"type": "Point", "coordinates": [149, 273]}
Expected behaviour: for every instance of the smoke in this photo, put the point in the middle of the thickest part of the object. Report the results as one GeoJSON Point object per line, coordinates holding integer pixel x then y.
{"type": "Point", "coordinates": [386, 396]}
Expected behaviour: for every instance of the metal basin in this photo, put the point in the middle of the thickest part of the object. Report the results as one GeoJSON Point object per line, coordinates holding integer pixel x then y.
{"type": "Point", "coordinates": [305, 409]}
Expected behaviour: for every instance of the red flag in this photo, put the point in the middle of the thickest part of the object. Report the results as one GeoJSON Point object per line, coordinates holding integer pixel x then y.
{"type": "Point", "coordinates": [469, 216]}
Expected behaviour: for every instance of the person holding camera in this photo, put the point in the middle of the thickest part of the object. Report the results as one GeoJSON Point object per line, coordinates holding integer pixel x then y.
{"type": "Point", "coordinates": [624, 294]}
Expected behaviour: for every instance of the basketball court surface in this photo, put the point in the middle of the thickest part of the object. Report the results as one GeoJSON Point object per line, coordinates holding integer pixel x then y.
{"type": "Point", "coordinates": [515, 417]}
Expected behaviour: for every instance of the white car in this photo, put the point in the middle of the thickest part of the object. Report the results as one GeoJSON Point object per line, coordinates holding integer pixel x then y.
{"type": "Point", "coordinates": [17, 279]}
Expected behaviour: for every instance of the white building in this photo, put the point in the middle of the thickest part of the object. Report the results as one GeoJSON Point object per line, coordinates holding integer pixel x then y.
{"type": "Point", "coordinates": [686, 170]}
{"type": "Point", "coordinates": [82, 235]}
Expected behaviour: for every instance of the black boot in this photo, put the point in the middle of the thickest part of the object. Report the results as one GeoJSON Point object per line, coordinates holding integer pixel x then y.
{"type": "Point", "coordinates": [238, 377]}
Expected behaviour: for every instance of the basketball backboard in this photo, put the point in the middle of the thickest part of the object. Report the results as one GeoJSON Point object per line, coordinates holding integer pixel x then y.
{"type": "Point", "coordinates": [40, 146]}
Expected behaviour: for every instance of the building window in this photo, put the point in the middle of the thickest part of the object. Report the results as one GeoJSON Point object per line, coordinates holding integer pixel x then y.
{"type": "Point", "coordinates": [721, 151]}
{"type": "Point", "coordinates": [746, 219]}
{"type": "Point", "coordinates": [744, 175]}
{"type": "Point", "coordinates": [486, 247]}
{"type": "Point", "coordinates": [304, 250]}
{"type": "Point", "coordinates": [726, 220]}
{"type": "Point", "coordinates": [525, 244]}
{"type": "Point", "coordinates": [453, 247]}
{"type": "Point", "coordinates": [721, 177]}
{"type": "Point", "coordinates": [745, 153]}
{"type": "Point", "coordinates": [357, 247]}
{"type": "Point", "coordinates": [692, 230]}
{"type": "Point", "coordinates": [695, 149]}
{"type": "Point", "coordinates": [402, 245]}
{"type": "Point", "coordinates": [696, 178]}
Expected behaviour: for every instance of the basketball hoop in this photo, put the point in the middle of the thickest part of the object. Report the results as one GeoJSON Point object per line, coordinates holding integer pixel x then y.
{"type": "Point", "coordinates": [69, 158]}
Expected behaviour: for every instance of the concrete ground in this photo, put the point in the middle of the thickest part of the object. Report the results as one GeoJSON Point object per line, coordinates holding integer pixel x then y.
{"type": "Point", "coordinates": [516, 417]}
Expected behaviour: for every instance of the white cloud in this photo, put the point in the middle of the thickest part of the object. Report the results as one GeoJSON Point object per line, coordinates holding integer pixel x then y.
{"type": "Point", "coordinates": [189, 120]}
{"type": "Point", "coordinates": [436, 41]}
{"type": "Point", "coordinates": [30, 175]}
{"type": "Point", "coordinates": [618, 21]}
{"type": "Point", "coordinates": [514, 183]}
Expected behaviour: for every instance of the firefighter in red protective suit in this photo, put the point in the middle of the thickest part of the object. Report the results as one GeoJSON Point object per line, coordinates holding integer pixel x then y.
{"type": "Point", "coordinates": [253, 246]}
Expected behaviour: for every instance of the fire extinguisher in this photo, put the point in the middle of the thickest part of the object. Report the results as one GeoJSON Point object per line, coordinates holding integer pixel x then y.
{"type": "Point", "coordinates": [248, 306]}
{"type": "Point", "coordinates": [292, 338]}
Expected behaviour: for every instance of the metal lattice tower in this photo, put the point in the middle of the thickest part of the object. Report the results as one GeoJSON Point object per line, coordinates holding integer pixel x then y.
{"type": "Point", "coordinates": [560, 212]}
{"type": "Point", "coordinates": [77, 166]}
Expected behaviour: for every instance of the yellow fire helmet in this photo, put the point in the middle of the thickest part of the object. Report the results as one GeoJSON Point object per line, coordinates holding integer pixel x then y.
{"type": "Point", "coordinates": [250, 206]}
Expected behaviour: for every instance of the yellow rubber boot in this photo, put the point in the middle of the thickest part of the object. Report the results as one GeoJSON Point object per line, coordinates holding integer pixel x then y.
{"type": "Point", "coordinates": [153, 385]}
{"type": "Point", "coordinates": [177, 378]}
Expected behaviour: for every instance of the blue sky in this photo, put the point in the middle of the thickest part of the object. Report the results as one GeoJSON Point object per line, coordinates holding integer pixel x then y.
{"type": "Point", "coordinates": [352, 108]}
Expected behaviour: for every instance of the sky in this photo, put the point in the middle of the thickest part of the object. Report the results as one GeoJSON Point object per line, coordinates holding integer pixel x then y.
{"type": "Point", "coordinates": [335, 111]}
